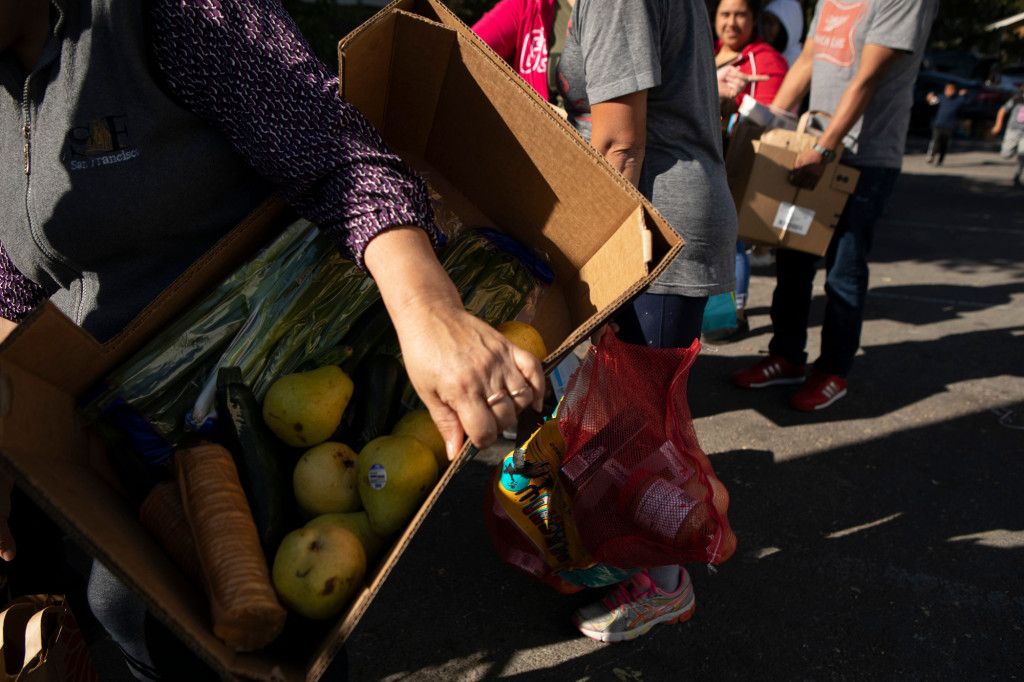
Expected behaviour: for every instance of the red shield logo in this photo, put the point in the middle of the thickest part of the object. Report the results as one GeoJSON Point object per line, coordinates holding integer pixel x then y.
{"type": "Point", "coordinates": [833, 37]}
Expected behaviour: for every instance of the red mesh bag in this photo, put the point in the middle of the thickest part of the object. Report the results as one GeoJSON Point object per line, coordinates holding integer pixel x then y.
{"type": "Point", "coordinates": [642, 491]}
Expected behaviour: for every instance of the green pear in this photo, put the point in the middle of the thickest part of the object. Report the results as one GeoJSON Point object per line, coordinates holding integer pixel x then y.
{"type": "Point", "coordinates": [318, 570]}
{"type": "Point", "coordinates": [418, 424]}
{"type": "Point", "coordinates": [304, 408]}
{"type": "Point", "coordinates": [396, 473]}
{"type": "Point", "coordinates": [358, 523]}
{"type": "Point", "coordinates": [324, 480]}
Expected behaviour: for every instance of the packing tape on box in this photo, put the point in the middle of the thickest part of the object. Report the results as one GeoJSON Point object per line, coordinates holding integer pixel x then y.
{"type": "Point", "coordinates": [793, 218]}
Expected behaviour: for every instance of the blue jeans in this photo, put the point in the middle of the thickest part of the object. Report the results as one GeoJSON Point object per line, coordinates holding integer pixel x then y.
{"type": "Point", "coordinates": [662, 320]}
{"type": "Point", "coordinates": [742, 275]}
{"type": "Point", "coordinates": [846, 281]}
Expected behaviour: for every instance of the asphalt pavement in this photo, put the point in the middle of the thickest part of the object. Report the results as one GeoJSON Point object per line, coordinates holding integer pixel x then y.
{"type": "Point", "coordinates": [880, 539]}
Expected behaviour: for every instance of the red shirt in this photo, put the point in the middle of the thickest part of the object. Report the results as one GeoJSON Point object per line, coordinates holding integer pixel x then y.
{"type": "Point", "coordinates": [518, 31]}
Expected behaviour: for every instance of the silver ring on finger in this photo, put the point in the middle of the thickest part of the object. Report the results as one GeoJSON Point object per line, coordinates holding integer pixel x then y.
{"type": "Point", "coordinates": [495, 398]}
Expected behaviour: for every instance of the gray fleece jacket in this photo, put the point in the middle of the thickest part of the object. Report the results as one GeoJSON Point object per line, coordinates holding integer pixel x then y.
{"type": "Point", "coordinates": [154, 185]}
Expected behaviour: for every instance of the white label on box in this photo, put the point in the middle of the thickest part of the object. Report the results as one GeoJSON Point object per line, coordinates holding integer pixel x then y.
{"type": "Point", "coordinates": [792, 218]}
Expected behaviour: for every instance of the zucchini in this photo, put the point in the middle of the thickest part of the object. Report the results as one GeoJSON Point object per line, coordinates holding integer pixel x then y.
{"type": "Point", "coordinates": [384, 377]}
{"type": "Point", "coordinates": [265, 479]}
{"type": "Point", "coordinates": [375, 402]}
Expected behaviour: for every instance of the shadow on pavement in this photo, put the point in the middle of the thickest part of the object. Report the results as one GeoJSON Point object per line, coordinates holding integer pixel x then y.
{"type": "Point", "coordinates": [932, 303]}
{"type": "Point", "coordinates": [886, 379]}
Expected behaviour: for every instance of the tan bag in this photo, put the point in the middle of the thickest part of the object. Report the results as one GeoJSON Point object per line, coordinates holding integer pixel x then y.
{"type": "Point", "coordinates": [771, 210]}
{"type": "Point", "coordinates": [40, 641]}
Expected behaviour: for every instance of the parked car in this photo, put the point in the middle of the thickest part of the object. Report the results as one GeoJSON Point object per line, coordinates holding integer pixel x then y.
{"type": "Point", "coordinates": [1011, 77]}
{"type": "Point", "coordinates": [964, 63]}
{"type": "Point", "coordinates": [980, 110]}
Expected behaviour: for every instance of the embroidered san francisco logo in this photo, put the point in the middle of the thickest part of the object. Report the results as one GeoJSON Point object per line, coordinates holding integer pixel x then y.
{"type": "Point", "coordinates": [104, 142]}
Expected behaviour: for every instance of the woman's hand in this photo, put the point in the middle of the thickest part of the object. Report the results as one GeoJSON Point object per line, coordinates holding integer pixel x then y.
{"type": "Point", "coordinates": [470, 377]}
{"type": "Point", "coordinates": [732, 81]}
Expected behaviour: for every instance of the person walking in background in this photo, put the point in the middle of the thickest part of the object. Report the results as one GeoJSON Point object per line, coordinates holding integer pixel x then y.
{"type": "Point", "coordinates": [1012, 114]}
{"type": "Point", "coordinates": [528, 34]}
{"type": "Point", "coordinates": [638, 80]}
{"type": "Point", "coordinates": [761, 70]}
{"type": "Point", "coordinates": [782, 26]}
{"type": "Point", "coordinates": [944, 124]}
{"type": "Point", "coordinates": [859, 62]}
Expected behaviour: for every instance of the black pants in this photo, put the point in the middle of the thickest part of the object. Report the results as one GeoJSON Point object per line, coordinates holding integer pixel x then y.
{"type": "Point", "coordinates": [940, 142]}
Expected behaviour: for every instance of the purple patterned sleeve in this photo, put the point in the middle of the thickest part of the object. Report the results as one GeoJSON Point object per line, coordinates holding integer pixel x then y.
{"type": "Point", "coordinates": [18, 295]}
{"type": "Point", "coordinates": [244, 66]}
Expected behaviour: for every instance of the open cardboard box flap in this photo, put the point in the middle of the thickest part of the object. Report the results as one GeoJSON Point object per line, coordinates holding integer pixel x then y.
{"type": "Point", "coordinates": [497, 153]}
{"type": "Point", "coordinates": [518, 162]}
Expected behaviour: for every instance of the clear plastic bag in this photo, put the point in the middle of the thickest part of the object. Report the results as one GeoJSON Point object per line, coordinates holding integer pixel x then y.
{"type": "Point", "coordinates": [295, 300]}
{"type": "Point", "coordinates": [293, 304]}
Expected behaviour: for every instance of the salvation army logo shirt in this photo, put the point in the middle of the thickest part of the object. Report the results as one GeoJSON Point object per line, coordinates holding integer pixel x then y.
{"type": "Point", "coordinates": [834, 39]}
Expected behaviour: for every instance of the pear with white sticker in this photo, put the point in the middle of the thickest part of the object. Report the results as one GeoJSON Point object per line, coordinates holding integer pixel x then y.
{"type": "Point", "coordinates": [396, 474]}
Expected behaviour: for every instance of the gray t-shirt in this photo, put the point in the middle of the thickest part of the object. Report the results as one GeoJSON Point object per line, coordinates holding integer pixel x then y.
{"type": "Point", "coordinates": [616, 48]}
{"type": "Point", "coordinates": [840, 29]}
{"type": "Point", "coordinates": [1014, 108]}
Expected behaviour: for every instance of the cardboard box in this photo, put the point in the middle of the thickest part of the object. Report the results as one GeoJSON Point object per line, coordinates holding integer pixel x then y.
{"type": "Point", "coordinates": [499, 155]}
{"type": "Point", "coordinates": [771, 210]}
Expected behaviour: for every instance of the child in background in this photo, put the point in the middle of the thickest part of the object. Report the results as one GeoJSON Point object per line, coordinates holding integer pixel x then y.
{"type": "Point", "coordinates": [948, 103]}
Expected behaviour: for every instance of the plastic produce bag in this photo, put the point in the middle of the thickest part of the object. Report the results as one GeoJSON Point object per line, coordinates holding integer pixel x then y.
{"type": "Point", "coordinates": [495, 275]}
{"type": "Point", "coordinates": [642, 491]}
{"type": "Point", "coordinates": [294, 304]}
{"type": "Point", "coordinates": [296, 299]}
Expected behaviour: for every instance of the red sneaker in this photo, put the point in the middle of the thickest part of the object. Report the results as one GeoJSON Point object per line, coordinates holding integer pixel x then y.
{"type": "Point", "coordinates": [771, 371]}
{"type": "Point", "coordinates": [819, 391]}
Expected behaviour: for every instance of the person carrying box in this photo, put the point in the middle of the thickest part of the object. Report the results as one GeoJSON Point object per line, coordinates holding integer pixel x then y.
{"type": "Point", "coordinates": [138, 135]}
{"type": "Point", "coordinates": [859, 62]}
